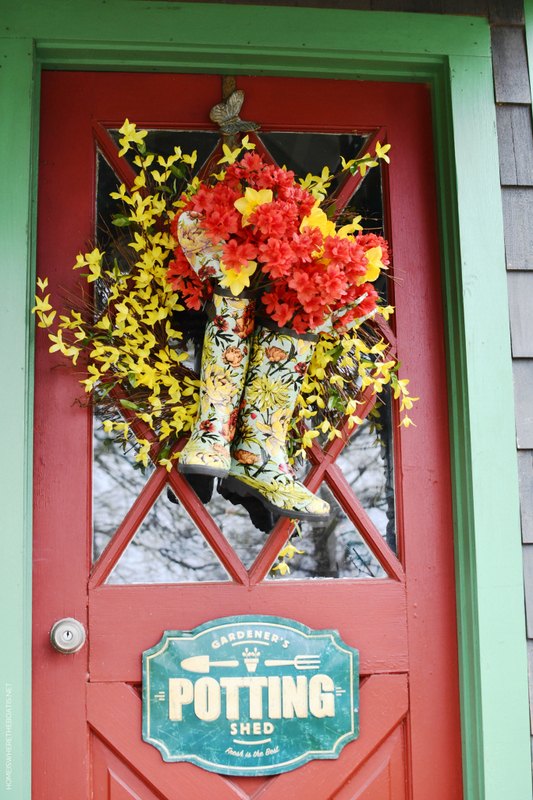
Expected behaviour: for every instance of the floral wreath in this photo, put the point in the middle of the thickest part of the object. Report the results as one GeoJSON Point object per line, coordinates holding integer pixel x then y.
{"type": "Point", "coordinates": [275, 238]}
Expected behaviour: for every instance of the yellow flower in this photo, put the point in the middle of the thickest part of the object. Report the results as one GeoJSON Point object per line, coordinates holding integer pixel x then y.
{"type": "Point", "coordinates": [130, 135]}
{"type": "Point", "coordinates": [41, 304]}
{"type": "Point", "coordinates": [374, 265]}
{"type": "Point", "coordinates": [266, 393]}
{"type": "Point", "coordinates": [160, 177]}
{"type": "Point", "coordinates": [366, 164]}
{"type": "Point", "coordinates": [401, 387]}
{"type": "Point", "coordinates": [93, 260]}
{"type": "Point", "coordinates": [235, 280]}
{"type": "Point", "coordinates": [354, 225]}
{"type": "Point", "coordinates": [167, 463]}
{"type": "Point", "coordinates": [347, 164]}
{"type": "Point", "coordinates": [386, 311]}
{"type": "Point", "coordinates": [191, 160]}
{"type": "Point", "coordinates": [382, 150]}
{"type": "Point", "coordinates": [252, 199]}
{"type": "Point", "coordinates": [317, 185]}
{"type": "Point", "coordinates": [282, 568]}
{"type": "Point", "coordinates": [407, 403]}
{"type": "Point", "coordinates": [45, 320]}
{"type": "Point", "coordinates": [95, 374]}
{"type": "Point", "coordinates": [171, 159]}
{"type": "Point", "coordinates": [289, 551]}
{"type": "Point", "coordinates": [58, 343]}
{"type": "Point", "coordinates": [230, 156]}
{"type": "Point", "coordinates": [307, 438]}
{"type": "Point", "coordinates": [140, 181]}
{"type": "Point", "coordinates": [143, 162]}
{"type": "Point", "coordinates": [247, 144]}
{"type": "Point", "coordinates": [318, 219]}
{"type": "Point", "coordinates": [143, 454]}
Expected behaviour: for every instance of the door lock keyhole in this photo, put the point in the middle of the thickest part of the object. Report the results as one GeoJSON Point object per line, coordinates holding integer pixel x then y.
{"type": "Point", "coordinates": [67, 635]}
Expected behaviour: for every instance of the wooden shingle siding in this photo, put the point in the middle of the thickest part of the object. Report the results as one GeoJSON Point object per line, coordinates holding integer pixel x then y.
{"type": "Point", "coordinates": [506, 12]}
{"type": "Point", "coordinates": [521, 314]}
{"type": "Point", "coordinates": [528, 576]}
{"type": "Point", "coordinates": [511, 77]}
{"type": "Point", "coordinates": [523, 381]}
{"type": "Point", "coordinates": [518, 215]}
{"type": "Point", "coordinates": [515, 139]}
{"type": "Point", "coordinates": [515, 144]}
{"type": "Point", "coordinates": [525, 471]}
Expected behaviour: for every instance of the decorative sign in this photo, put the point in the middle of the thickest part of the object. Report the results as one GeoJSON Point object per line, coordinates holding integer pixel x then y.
{"type": "Point", "coordinates": [250, 695]}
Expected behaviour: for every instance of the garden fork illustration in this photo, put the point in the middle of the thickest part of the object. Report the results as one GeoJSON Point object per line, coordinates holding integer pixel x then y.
{"type": "Point", "coordinates": [300, 662]}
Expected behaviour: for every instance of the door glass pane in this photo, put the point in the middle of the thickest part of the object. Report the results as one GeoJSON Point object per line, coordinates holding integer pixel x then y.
{"type": "Point", "coordinates": [333, 547]}
{"type": "Point", "coordinates": [234, 521]}
{"type": "Point", "coordinates": [311, 152]}
{"type": "Point", "coordinates": [167, 548]}
{"type": "Point", "coordinates": [366, 462]}
{"type": "Point", "coordinates": [117, 481]}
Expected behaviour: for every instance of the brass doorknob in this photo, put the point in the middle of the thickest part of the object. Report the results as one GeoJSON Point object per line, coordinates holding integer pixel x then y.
{"type": "Point", "coordinates": [67, 635]}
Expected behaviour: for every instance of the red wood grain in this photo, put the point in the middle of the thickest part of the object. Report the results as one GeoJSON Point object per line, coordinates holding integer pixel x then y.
{"type": "Point", "coordinates": [125, 620]}
{"type": "Point", "coordinates": [382, 777]}
{"type": "Point", "coordinates": [384, 703]}
{"type": "Point", "coordinates": [114, 714]}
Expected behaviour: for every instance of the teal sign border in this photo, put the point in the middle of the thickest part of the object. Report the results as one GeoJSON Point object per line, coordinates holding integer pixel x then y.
{"type": "Point", "coordinates": [190, 656]}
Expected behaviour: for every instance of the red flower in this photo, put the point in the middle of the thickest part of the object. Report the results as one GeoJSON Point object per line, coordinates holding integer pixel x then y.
{"type": "Point", "coordinates": [305, 244]}
{"type": "Point", "coordinates": [281, 310]}
{"type": "Point", "coordinates": [369, 240]}
{"type": "Point", "coordinates": [236, 255]}
{"type": "Point", "coordinates": [277, 257]}
{"type": "Point", "coordinates": [310, 277]}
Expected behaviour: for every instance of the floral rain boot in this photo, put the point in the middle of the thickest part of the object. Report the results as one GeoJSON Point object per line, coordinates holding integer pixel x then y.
{"type": "Point", "coordinates": [224, 363]}
{"type": "Point", "coordinates": [278, 364]}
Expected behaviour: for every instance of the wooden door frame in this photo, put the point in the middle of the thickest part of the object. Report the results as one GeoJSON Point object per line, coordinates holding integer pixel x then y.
{"type": "Point", "coordinates": [452, 55]}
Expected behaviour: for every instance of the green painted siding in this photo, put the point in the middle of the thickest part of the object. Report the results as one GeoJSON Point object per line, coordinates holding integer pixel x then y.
{"type": "Point", "coordinates": [451, 53]}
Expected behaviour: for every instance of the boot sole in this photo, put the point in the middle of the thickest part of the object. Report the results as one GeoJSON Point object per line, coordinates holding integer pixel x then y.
{"type": "Point", "coordinates": [198, 469]}
{"type": "Point", "coordinates": [242, 489]}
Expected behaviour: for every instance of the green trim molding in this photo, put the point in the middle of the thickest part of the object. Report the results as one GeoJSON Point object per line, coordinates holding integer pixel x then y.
{"type": "Point", "coordinates": [452, 54]}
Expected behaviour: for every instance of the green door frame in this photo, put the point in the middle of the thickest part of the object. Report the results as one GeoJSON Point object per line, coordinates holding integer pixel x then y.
{"type": "Point", "coordinates": [452, 55]}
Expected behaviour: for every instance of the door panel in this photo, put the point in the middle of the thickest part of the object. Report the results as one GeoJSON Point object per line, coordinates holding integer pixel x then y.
{"type": "Point", "coordinates": [403, 624]}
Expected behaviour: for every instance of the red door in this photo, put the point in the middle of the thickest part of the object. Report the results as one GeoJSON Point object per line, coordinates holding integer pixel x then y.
{"type": "Point", "coordinates": [113, 553]}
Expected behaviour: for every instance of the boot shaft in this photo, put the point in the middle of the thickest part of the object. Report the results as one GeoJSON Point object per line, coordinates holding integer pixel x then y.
{"type": "Point", "coordinates": [224, 364]}
{"type": "Point", "coordinates": [278, 363]}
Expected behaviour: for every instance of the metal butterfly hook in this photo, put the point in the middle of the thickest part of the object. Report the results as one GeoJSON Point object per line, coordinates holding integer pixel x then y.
{"type": "Point", "coordinates": [226, 116]}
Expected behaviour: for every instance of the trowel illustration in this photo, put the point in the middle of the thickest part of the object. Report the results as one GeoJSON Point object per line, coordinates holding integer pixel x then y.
{"type": "Point", "coordinates": [203, 664]}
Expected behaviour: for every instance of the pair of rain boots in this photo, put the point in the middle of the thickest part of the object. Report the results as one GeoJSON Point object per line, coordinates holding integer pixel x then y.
{"type": "Point", "coordinates": [248, 390]}
{"type": "Point", "coordinates": [249, 384]}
